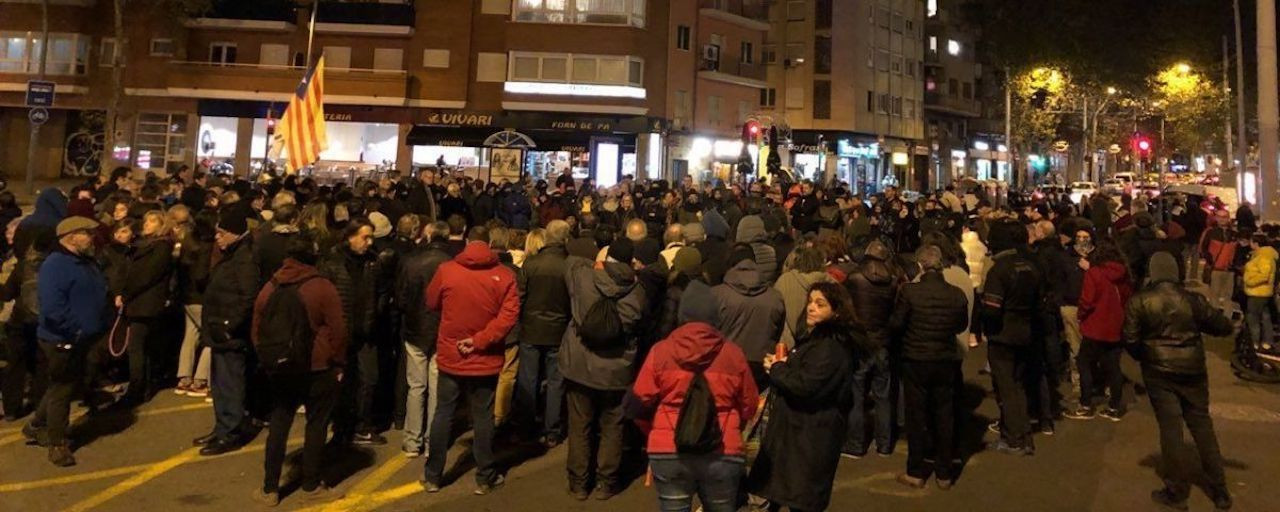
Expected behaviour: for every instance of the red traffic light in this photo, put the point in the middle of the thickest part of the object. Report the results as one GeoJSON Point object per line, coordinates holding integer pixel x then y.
{"type": "Point", "coordinates": [750, 130]}
{"type": "Point", "coordinates": [1144, 145]}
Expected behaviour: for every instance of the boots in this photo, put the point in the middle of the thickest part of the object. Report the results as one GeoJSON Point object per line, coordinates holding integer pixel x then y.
{"type": "Point", "coordinates": [60, 455]}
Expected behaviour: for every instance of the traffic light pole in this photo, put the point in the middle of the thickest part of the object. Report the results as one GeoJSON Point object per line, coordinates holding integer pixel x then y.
{"type": "Point", "coordinates": [1268, 112]}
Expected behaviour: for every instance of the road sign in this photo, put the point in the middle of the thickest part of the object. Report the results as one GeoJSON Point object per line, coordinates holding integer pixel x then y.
{"type": "Point", "coordinates": [38, 115]}
{"type": "Point", "coordinates": [40, 93]}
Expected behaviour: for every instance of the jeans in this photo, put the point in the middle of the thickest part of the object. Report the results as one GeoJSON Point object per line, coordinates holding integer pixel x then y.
{"type": "Point", "coordinates": [871, 377]}
{"type": "Point", "coordinates": [23, 353]}
{"type": "Point", "coordinates": [187, 360]}
{"type": "Point", "coordinates": [479, 392]}
{"type": "Point", "coordinates": [228, 385]}
{"type": "Point", "coordinates": [66, 369]}
{"type": "Point", "coordinates": [930, 392]}
{"type": "Point", "coordinates": [355, 411]}
{"type": "Point", "coordinates": [1177, 399]}
{"type": "Point", "coordinates": [1222, 285]}
{"type": "Point", "coordinates": [1009, 375]}
{"type": "Point", "coordinates": [713, 477]}
{"type": "Point", "coordinates": [319, 392]}
{"type": "Point", "coordinates": [422, 376]}
{"type": "Point", "coordinates": [504, 394]}
{"type": "Point", "coordinates": [1100, 359]}
{"type": "Point", "coordinates": [1258, 318]}
{"type": "Point", "coordinates": [537, 363]}
{"type": "Point", "coordinates": [599, 412]}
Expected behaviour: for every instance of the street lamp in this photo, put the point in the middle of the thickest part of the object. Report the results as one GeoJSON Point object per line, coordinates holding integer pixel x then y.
{"type": "Point", "coordinates": [1111, 91]}
{"type": "Point", "coordinates": [1184, 68]}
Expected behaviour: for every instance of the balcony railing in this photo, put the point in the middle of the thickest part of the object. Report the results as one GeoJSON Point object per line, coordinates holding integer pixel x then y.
{"type": "Point", "coordinates": [750, 9]}
{"type": "Point", "coordinates": [953, 104]}
{"type": "Point", "coordinates": [265, 78]}
{"type": "Point", "coordinates": [743, 69]}
{"type": "Point", "coordinates": [260, 10]}
{"type": "Point", "coordinates": [366, 13]}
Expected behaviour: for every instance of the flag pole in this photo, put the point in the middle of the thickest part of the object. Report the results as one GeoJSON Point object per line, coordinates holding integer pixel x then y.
{"type": "Point", "coordinates": [311, 29]}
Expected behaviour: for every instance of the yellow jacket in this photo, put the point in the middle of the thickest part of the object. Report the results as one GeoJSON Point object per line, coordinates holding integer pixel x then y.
{"type": "Point", "coordinates": [1259, 272]}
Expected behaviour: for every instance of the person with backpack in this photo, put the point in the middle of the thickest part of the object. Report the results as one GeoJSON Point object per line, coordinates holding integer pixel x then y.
{"type": "Point", "coordinates": [700, 391]}
{"type": "Point", "coordinates": [299, 334]}
{"type": "Point", "coordinates": [596, 358]}
{"type": "Point", "coordinates": [479, 304]}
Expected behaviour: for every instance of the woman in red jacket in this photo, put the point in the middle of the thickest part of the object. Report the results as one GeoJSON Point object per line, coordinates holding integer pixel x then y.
{"type": "Point", "coordinates": [695, 347]}
{"type": "Point", "coordinates": [1105, 291]}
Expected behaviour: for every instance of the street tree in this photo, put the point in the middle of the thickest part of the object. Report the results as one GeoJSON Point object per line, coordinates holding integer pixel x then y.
{"type": "Point", "coordinates": [1193, 108]}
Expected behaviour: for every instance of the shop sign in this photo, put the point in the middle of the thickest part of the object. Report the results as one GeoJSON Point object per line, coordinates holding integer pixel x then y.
{"type": "Point", "coordinates": [336, 116]}
{"type": "Point", "coordinates": [808, 148]}
{"type": "Point", "coordinates": [460, 119]}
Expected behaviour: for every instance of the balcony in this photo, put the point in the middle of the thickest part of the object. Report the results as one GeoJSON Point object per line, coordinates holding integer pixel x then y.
{"type": "Point", "coordinates": [269, 15]}
{"type": "Point", "coordinates": [954, 105]}
{"type": "Point", "coordinates": [337, 17]}
{"type": "Point", "coordinates": [734, 72]}
{"type": "Point", "coordinates": [277, 83]}
{"type": "Point", "coordinates": [752, 14]}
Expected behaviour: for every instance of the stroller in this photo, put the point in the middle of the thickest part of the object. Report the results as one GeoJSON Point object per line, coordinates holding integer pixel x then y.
{"type": "Point", "coordinates": [1251, 363]}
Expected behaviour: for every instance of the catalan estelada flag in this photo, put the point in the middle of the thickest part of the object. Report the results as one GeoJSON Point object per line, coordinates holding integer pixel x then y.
{"type": "Point", "coordinates": [300, 131]}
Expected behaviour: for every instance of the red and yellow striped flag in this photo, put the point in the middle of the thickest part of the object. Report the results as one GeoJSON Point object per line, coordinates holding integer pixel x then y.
{"type": "Point", "coordinates": [300, 132]}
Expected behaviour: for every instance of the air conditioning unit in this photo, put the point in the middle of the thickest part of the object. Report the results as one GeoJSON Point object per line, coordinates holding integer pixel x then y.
{"type": "Point", "coordinates": [711, 57]}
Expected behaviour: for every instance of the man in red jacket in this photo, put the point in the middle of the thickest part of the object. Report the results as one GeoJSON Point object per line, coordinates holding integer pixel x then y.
{"type": "Point", "coordinates": [478, 303]}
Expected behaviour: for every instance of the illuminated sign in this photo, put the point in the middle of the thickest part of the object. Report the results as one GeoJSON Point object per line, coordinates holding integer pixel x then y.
{"type": "Point", "coordinates": [562, 89]}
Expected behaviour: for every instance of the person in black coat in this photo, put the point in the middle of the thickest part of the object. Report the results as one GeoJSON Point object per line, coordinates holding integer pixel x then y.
{"type": "Point", "coordinates": [810, 406]}
{"type": "Point", "coordinates": [873, 289]}
{"type": "Point", "coordinates": [484, 207]}
{"type": "Point", "coordinates": [453, 204]}
{"type": "Point", "coordinates": [273, 245]}
{"type": "Point", "coordinates": [544, 316]}
{"type": "Point", "coordinates": [419, 329]}
{"type": "Point", "coordinates": [143, 298]}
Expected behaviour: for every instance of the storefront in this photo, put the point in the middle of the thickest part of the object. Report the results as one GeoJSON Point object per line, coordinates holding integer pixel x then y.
{"type": "Point", "coordinates": [862, 161]}
{"type": "Point", "coordinates": [507, 145]}
{"type": "Point", "coordinates": [989, 161]}
{"type": "Point", "coordinates": [708, 159]}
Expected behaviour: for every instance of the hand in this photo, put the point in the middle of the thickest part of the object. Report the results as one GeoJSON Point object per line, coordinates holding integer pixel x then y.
{"type": "Point", "coordinates": [119, 301]}
{"type": "Point", "coordinates": [973, 340]}
{"type": "Point", "coordinates": [1084, 264]}
{"type": "Point", "coordinates": [769, 359]}
{"type": "Point", "coordinates": [466, 346]}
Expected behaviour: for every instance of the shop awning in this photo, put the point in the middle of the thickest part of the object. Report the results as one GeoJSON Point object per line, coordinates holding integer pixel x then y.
{"type": "Point", "coordinates": [543, 140]}
{"type": "Point", "coordinates": [426, 135]}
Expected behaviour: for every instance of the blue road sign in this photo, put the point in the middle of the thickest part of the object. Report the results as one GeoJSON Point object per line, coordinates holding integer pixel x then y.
{"type": "Point", "coordinates": [40, 93]}
{"type": "Point", "coordinates": [38, 115]}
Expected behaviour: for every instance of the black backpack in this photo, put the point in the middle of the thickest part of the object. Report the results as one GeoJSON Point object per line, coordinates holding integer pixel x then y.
{"type": "Point", "coordinates": [285, 336]}
{"type": "Point", "coordinates": [698, 426]}
{"type": "Point", "coordinates": [601, 328]}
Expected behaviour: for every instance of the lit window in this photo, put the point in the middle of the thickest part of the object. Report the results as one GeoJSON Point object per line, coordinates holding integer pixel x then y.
{"type": "Point", "coordinates": [20, 53]}
{"type": "Point", "coordinates": [162, 47]}
{"type": "Point", "coordinates": [953, 47]}
{"type": "Point", "coordinates": [594, 12]}
{"type": "Point", "coordinates": [577, 69]}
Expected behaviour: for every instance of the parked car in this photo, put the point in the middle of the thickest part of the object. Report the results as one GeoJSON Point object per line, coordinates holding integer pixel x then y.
{"type": "Point", "coordinates": [1080, 189]}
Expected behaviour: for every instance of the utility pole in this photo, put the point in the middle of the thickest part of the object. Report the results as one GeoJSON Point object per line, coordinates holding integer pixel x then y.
{"type": "Point", "coordinates": [33, 143]}
{"type": "Point", "coordinates": [1086, 160]}
{"type": "Point", "coordinates": [1268, 111]}
{"type": "Point", "coordinates": [1014, 171]}
{"type": "Point", "coordinates": [1242, 138]}
{"type": "Point", "coordinates": [1230, 179]}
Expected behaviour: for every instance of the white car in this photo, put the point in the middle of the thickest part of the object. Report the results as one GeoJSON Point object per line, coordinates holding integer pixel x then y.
{"type": "Point", "coordinates": [1113, 186]}
{"type": "Point", "coordinates": [1080, 189]}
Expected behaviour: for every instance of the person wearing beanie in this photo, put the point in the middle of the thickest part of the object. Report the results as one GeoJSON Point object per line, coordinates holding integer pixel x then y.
{"type": "Point", "coordinates": [1162, 329]}
{"type": "Point", "coordinates": [695, 351]}
{"type": "Point", "coordinates": [714, 246]}
{"type": "Point", "coordinates": [686, 268]}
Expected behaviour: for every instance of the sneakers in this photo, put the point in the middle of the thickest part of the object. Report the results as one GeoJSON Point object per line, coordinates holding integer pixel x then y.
{"type": "Point", "coordinates": [1167, 499]}
{"type": "Point", "coordinates": [35, 436]}
{"type": "Point", "coordinates": [1221, 499]}
{"type": "Point", "coordinates": [269, 499]}
{"type": "Point", "coordinates": [1004, 447]}
{"type": "Point", "coordinates": [60, 455]}
{"type": "Point", "coordinates": [320, 493]}
{"type": "Point", "coordinates": [1046, 428]}
{"type": "Point", "coordinates": [911, 481]}
{"type": "Point", "coordinates": [853, 455]}
{"type": "Point", "coordinates": [1112, 414]}
{"type": "Point", "coordinates": [580, 494]}
{"type": "Point", "coordinates": [604, 493]}
{"type": "Point", "coordinates": [944, 485]}
{"type": "Point", "coordinates": [1080, 413]}
{"type": "Point", "coordinates": [198, 390]}
{"type": "Point", "coordinates": [411, 453]}
{"type": "Point", "coordinates": [369, 439]}
{"type": "Point", "coordinates": [184, 385]}
{"type": "Point", "coordinates": [883, 453]}
{"type": "Point", "coordinates": [431, 487]}
{"type": "Point", "coordinates": [496, 484]}
{"type": "Point", "coordinates": [994, 427]}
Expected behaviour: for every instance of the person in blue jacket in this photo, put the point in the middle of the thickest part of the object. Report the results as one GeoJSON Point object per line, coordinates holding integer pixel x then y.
{"type": "Point", "coordinates": [73, 312]}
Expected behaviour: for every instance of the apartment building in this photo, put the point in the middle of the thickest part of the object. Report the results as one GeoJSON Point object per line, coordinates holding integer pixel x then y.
{"type": "Point", "coordinates": [498, 88]}
{"type": "Point", "coordinates": [846, 82]}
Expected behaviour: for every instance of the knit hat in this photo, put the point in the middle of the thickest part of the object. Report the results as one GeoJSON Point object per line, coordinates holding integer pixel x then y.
{"type": "Point", "coordinates": [694, 233]}
{"type": "Point", "coordinates": [381, 225]}
{"type": "Point", "coordinates": [622, 250]}
{"type": "Point", "coordinates": [647, 253]}
{"type": "Point", "coordinates": [697, 304]}
{"type": "Point", "coordinates": [1144, 220]}
{"type": "Point", "coordinates": [1162, 267]}
{"type": "Point", "coordinates": [233, 220]}
{"type": "Point", "coordinates": [714, 224]}
{"type": "Point", "coordinates": [688, 261]}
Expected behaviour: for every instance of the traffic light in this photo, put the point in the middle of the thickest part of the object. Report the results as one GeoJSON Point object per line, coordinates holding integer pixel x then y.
{"type": "Point", "coordinates": [1141, 145]}
{"type": "Point", "coordinates": [751, 132]}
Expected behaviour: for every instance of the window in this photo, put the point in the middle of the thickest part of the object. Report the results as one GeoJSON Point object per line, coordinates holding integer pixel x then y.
{"type": "Point", "coordinates": [909, 110]}
{"type": "Point", "coordinates": [795, 10]}
{"type": "Point", "coordinates": [896, 103]}
{"type": "Point", "coordinates": [107, 56]}
{"type": "Point", "coordinates": [769, 54]}
{"type": "Point", "coordinates": [435, 58]}
{"type": "Point", "coordinates": [274, 55]}
{"type": "Point", "coordinates": [953, 47]}
{"type": "Point", "coordinates": [882, 17]}
{"type": "Point", "coordinates": [871, 101]}
{"type": "Point", "coordinates": [162, 47]}
{"type": "Point", "coordinates": [222, 53]}
{"type": "Point", "coordinates": [795, 53]}
{"type": "Point", "coordinates": [953, 87]}
{"type": "Point", "coordinates": [882, 60]}
{"type": "Point", "coordinates": [931, 8]}
{"type": "Point", "coordinates": [714, 104]}
{"type": "Point", "coordinates": [594, 12]}
{"type": "Point", "coordinates": [882, 104]}
{"type": "Point", "coordinates": [159, 139]}
{"type": "Point", "coordinates": [968, 91]}
{"type": "Point", "coordinates": [748, 53]}
{"type": "Point", "coordinates": [897, 22]}
{"type": "Point", "coordinates": [388, 59]}
{"type": "Point", "coordinates": [911, 68]}
{"type": "Point", "coordinates": [911, 27]}
{"type": "Point", "coordinates": [683, 35]}
{"type": "Point", "coordinates": [768, 97]}
{"type": "Point", "coordinates": [895, 64]}
{"type": "Point", "coordinates": [682, 107]}
{"type": "Point", "coordinates": [337, 57]}
{"type": "Point", "coordinates": [822, 99]}
{"type": "Point", "coordinates": [822, 14]}
{"type": "Point", "coordinates": [933, 44]}
{"type": "Point", "coordinates": [578, 69]}
{"type": "Point", "coordinates": [20, 53]}
{"type": "Point", "coordinates": [822, 54]}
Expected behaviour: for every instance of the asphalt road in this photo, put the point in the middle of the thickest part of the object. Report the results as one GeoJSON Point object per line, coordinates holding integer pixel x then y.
{"type": "Point", "coordinates": [143, 460]}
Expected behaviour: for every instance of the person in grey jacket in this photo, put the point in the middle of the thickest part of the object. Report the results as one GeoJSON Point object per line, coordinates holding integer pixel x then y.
{"type": "Point", "coordinates": [751, 231]}
{"type": "Point", "coordinates": [751, 312]}
{"type": "Point", "coordinates": [807, 266]}
{"type": "Point", "coordinates": [596, 380]}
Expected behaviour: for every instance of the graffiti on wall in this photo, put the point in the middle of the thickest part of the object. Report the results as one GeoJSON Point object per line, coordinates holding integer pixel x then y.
{"type": "Point", "coordinates": [82, 151]}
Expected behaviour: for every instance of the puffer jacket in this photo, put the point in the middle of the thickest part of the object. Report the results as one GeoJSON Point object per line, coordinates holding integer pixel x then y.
{"type": "Point", "coordinates": [930, 313]}
{"type": "Point", "coordinates": [544, 297]}
{"type": "Point", "coordinates": [40, 228]}
{"type": "Point", "coordinates": [356, 278]}
{"type": "Point", "coordinates": [608, 369]}
{"type": "Point", "coordinates": [1102, 299]}
{"type": "Point", "coordinates": [72, 299]}
{"type": "Point", "coordinates": [751, 231]}
{"type": "Point", "coordinates": [477, 299]}
{"type": "Point", "coordinates": [114, 262]}
{"type": "Point", "coordinates": [874, 290]}
{"type": "Point", "coordinates": [670, 368]}
{"type": "Point", "coordinates": [421, 325]}
{"type": "Point", "coordinates": [794, 287]}
{"type": "Point", "coordinates": [147, 278]}
{"type": "Point", "coordinates": [228, 300]}
{"type": "Point", "coordinates": [751, 311]}
{"type": "Point", "coordinates": [1164, 321]}
{"type": "Point", "coordinates": [1260, 273]}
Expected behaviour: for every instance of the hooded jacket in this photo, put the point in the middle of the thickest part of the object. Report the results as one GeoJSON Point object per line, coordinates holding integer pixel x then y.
{"type": "Point", "coordinates": [751, 231]}
{"type": "Point", "coordinates": [477, 299]}
{"type": "Point", "coordinates": [40, 228]}
{"type": "Point", "coordinates": [1163, 323]}
{"type": "Point", "coordinates": [794, 287]}
{"type": "Point", "coordinates": [1260, 273]}
{"type": "Point", "coordinates": [874, 290]}
{"type": "Point", "coordinates": [751, 311]}
{"type": "Point", "coordinates": [669, 369]}
{"type": "Point", "coordinates": [715, 249]}
{"type": "Point", "coordinates": [324, 312]}
{"type": "Point", "coordinates": [1102, 298]}
{"type": "Point", "coordinates": [603, 369]}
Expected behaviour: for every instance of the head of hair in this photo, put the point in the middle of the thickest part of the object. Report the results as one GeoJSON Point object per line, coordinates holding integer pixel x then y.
{"type": "Point", "coordinates": [285, 214]}
{"type": "Point", "coordinates": [534, 242]}
{"type": "Point", "coordinates": [352, 228]}
{"type": "Point", "coordinates": [283, 197]}
{"type": "Point", "coordinates": [499, 238]}
{"type": "Point", "coordinates": [436, 230]}
{"type": "Point", "coordinates": [478, 234]}
{"type": "Point", "coordinates": [673, 234]}
{"type": "Point", "coordinates": [838, 297]}
{"type": "Point", "coordinates": [160, 217]}
{"type": "Point", "coordinates": [303, 248]}
{"type": "Point", "coordinates": [457, 225]}
{"type": "Point", "coordinates": [1107, 251]}
{"type": "Point", "coordinates": [409, 226]}
{"type": "Point", "coordinates": [929, 257]}
{"type": "Point", "coordinates": [807, 259]}
{"type": "Point", "coordinates": [557, 233]}
{"type": "Point", "coordinates": [832, 246]}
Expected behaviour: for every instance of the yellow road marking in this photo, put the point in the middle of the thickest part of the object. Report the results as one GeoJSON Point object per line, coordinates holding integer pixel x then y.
{"type": "Point", "coordinates": [75, 416]}
{"type": "Point", "coordinates": [377, 500]}
{"type": "Point", "coordinates": [357, 497]}
{"type": "Point", "coordinates": [123, 470]}
{"type": "Point", "coordinates": [136, 480]}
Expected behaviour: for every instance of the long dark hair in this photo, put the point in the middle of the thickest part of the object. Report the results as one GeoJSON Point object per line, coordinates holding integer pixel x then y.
{"type": "Point", "coordinates": [841, 304]}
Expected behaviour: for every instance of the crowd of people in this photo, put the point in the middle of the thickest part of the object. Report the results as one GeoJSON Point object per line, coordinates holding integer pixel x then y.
{"type": "Point", "coordinates": [740, 338]}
